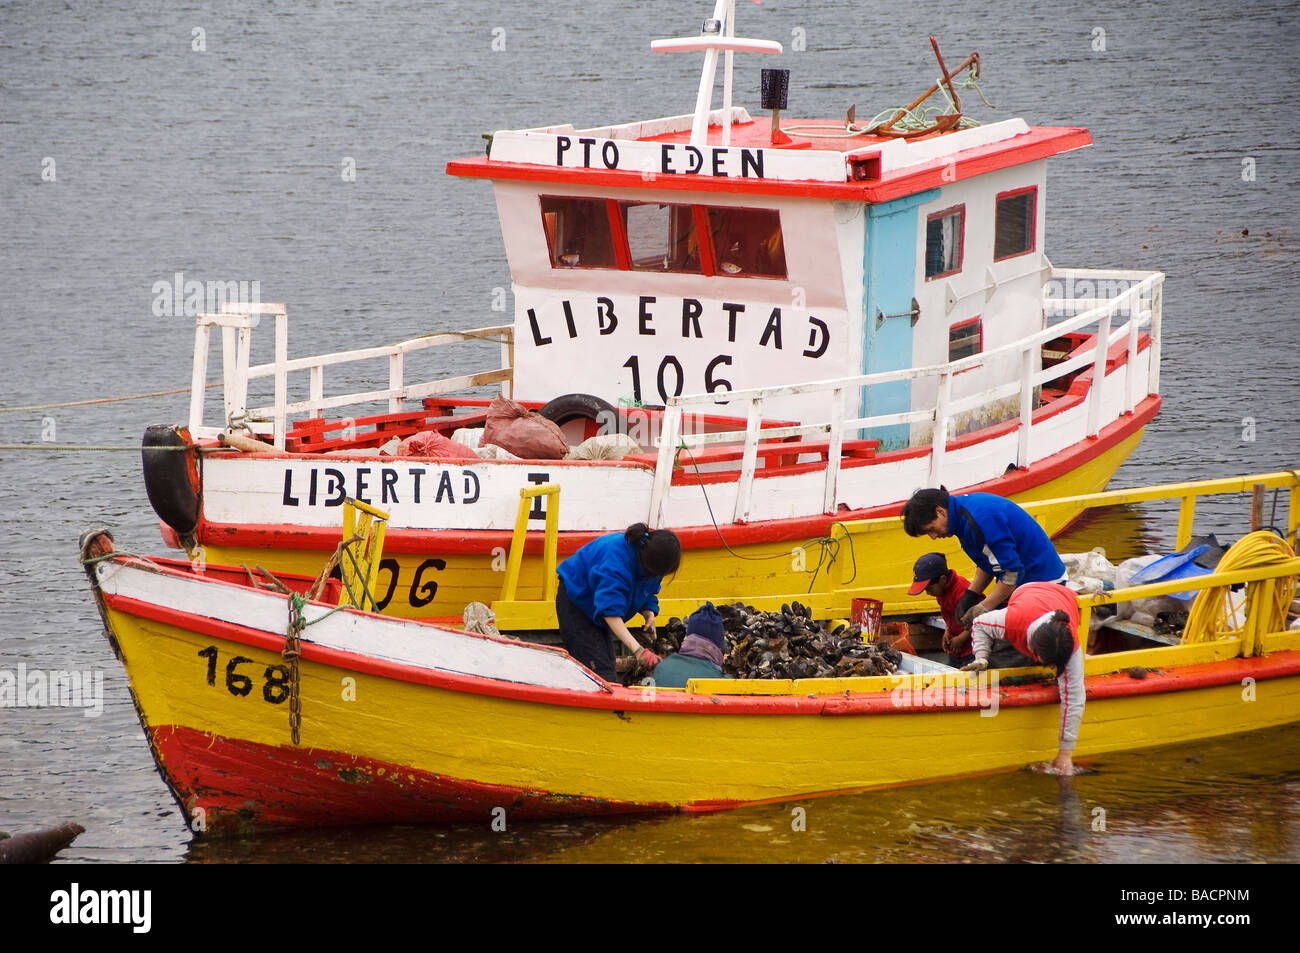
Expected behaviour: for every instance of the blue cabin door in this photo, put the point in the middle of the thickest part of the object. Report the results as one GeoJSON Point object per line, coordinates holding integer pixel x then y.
{"type": "Point", "coordinates": [890, 270]}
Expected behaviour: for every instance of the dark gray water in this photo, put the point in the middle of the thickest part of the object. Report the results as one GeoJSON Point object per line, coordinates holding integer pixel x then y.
{"type": "Point", "coordinates": [225, 164]}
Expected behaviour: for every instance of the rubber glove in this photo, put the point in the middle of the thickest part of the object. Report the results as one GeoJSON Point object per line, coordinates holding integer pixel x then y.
{"type": "Point", "coordinates": [648, 658]}
{"type": "Point", "coordinates": [979, 665]}
{"type": "Point", "coordinates": [968, 617]}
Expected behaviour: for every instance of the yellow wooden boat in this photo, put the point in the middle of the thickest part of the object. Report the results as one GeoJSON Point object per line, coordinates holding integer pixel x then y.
{"type": "Point", "coordinates": [265, 708]}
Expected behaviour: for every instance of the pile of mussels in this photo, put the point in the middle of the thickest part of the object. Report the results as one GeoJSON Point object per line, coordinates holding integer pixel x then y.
{"type": "Point", "coordinates": [787, 644]}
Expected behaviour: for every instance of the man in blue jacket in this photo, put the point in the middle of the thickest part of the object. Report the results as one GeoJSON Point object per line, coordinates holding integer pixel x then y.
{"type": "Point", "coordinates": [1006, 544]}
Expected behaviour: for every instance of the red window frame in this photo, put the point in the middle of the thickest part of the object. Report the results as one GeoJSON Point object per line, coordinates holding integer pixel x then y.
{"type": "Point", "coordinates": [1033, 221]}
{"type": "Point", "coordinates": [700, 217]}
{"type": "Point", "coordinates": [978, 321]}
{"type": "Point", "coordinates": [961, 238]}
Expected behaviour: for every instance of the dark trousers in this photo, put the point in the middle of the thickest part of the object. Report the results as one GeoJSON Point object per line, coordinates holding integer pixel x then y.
{"type": "Point", "coordinates": [1005, 655]}
{"type": "Point", "coordinates": [591, 643]}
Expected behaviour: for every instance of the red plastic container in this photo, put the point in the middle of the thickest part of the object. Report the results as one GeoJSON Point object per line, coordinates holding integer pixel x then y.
{"type": "Point", "coordinates": [866, 613]}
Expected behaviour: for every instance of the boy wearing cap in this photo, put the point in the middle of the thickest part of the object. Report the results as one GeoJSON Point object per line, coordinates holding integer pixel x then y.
{"type": "Point", "coordinates": [931, 574]}
{"type": "Point", "coordinates": [701, 653]}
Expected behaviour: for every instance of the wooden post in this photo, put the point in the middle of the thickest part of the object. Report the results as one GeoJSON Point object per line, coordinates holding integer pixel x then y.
{"type": "Point", "coordinates": [1023, 448]}
{"type": "Point", "coordinates": [1098, 375]}
{"type": "Point", "coordinates": [395, 401]}
{"type": "Point", "coordinates": [1130, 366]}
{"type": "Point", "coordinates": [1256, 506]}
{"type": "Point", "coordinates": [939, 439]}
{"type": "Point", "coordinates": [316, 392]}
{"type": "Point", "coordinates": [835, 452]}
{"type": "Point", "coordinates": [281, 379]}
{"type": "Point", "coordinates": [1153, 387]}
{"type": "Point", "coordinates": [749, 462]}
{"type": "Point", "coordinates": [199, 375]}
{"type": "Point", "coordinates": [668, 432]}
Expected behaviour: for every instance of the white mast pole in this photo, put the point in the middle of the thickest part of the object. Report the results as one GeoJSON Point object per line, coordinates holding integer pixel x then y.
{"type": "Point", "coordinates": [700, 127]}
{"type": "Point", "coordinates": [729, 30]}
{"type": "Point", "coordinates": [724, 14]}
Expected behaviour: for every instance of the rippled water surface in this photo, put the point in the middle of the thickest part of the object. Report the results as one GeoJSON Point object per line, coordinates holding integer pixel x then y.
{"type": "Point", "coordinates": [225, 164]}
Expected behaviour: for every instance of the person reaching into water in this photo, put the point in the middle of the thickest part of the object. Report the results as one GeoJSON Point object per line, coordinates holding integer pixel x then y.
{"type": "Point", "coordinates": [605, 583]}
{"type": "Point", "coordinates": [1042, 621]}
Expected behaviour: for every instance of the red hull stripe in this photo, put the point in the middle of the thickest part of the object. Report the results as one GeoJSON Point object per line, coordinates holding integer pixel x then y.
{"type": "Point", "coordinates": [242, 786]}
{"type": "Point", "coordinates": [1120, 685]}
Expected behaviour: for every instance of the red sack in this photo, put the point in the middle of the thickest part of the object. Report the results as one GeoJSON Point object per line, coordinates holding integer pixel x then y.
{"type": "Point", "coordinates": [522, 432]}
{"type": "Point", "coordinates": [430, 443]}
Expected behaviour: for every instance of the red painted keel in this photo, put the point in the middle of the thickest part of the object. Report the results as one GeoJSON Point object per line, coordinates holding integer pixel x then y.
{"type": "Point", "coordinates": [244, 787]}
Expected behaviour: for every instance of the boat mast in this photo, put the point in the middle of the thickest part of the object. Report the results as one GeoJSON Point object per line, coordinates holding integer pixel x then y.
{"type": "Point", "coordinates": [717, 34]}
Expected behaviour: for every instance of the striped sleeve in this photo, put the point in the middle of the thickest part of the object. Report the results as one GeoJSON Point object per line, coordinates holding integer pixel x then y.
{"type": "Point", "coordinates": [985, 630]}
{"type": "Point", "coordinates": [1070, 685]}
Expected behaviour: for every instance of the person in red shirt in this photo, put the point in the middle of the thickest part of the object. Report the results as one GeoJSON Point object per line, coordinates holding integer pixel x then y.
{"type": "Point", "coordinates": [1042, 621]}
{"type": "Point", "coordinates": [931, 574]}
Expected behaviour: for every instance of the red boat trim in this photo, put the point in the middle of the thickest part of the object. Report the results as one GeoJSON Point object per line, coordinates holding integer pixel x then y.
{"type": "Point", "coordinates": [243, 786]}
{"type": "Point", "coordinates": [622, 700]}
{"type": "Point", "coordinates": [478, 542]}
{"type": "Point", "coordinates": [1039, 142]}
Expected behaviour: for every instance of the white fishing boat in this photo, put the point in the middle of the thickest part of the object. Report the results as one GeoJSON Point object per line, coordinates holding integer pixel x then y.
{"type": "Point", "coordinates": [793, 322]}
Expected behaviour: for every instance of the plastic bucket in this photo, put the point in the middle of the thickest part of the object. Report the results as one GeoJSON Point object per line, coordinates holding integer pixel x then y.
{"type": "Point", "coordinates": [866, 614]}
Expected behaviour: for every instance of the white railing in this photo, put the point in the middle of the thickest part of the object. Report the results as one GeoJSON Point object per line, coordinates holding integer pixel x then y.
{"type": "Point", "coordinates": [237, 321]}
{"type": "Point", "coordinates": [1140, 300]}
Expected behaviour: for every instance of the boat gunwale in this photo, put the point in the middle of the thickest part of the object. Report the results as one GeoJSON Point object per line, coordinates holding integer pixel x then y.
{"type": "Point", "coordinates": [875, 701]}
{"type": "Point", "coordinates": [459, 541]}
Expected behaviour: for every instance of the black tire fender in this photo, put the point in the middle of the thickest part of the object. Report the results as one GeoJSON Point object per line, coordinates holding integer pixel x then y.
{"type": "Point", "coordinates": [569, 407]}
{"type": "Point", "coordinates": [171, 476]}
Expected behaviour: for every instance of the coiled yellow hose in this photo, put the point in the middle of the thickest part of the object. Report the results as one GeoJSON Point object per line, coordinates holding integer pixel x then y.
{"type": "Point", "coordinates": [1210, 618]}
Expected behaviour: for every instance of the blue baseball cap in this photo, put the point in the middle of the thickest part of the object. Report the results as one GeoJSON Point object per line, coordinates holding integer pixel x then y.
{"type": "Point", "coordinates": [928, 568]}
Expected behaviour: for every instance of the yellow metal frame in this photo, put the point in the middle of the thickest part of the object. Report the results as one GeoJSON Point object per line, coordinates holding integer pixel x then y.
{"type": "Point", "coordinates": [550, 582]}
{"type": "Point", "coordinates": [835, 602]}
{"type": "Point", "coordinates": [1066, 508]}
{"type": "Point", "coordinates": [362, 548]}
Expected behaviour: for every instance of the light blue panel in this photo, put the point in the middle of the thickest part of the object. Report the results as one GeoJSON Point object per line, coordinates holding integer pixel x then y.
{"type": "Point", "coordinates": [890, 270]}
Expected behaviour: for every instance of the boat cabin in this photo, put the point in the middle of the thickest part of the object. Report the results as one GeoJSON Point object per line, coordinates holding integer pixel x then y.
{"type": "Point", "coordinates": [664, 262]}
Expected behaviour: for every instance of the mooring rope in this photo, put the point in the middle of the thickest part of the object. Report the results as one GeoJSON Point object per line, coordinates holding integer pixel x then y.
{"type": "Point", "coordinates": [102, 400]}
{"type": "Point", "coordinates": [830, 545]}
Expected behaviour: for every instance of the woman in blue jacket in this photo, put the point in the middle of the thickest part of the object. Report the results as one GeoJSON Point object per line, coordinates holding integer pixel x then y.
{"type": "Point", "coordinates": [605, 583]}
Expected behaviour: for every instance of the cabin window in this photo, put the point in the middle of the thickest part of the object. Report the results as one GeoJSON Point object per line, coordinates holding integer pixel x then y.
{"type": "Point", "coordinates": [747, 242]}
{"type": "Point", "coordinates": [1014, 228]}
{"type": "Point", "coordinates": [661, 237]}
{"type": "Point", "coordinates": [965, 339]}
{"type": "Point", "coordinates": [944, 238]}
{"type": "Point", "coordinates": [577, 232]}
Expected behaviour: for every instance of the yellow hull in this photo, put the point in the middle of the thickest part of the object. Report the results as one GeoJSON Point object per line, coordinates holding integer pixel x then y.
{"type": "Point", "coordinates": [384, 742]}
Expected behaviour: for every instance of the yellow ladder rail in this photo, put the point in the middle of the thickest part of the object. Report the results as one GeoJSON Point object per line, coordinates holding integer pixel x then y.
{"type": "Point", "coordinates": [549, 580]}
{"type": "Point", "coordinates": [362, 548]}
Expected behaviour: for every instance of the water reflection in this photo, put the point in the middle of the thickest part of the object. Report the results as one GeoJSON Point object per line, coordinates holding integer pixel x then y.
{"type": "Point", "coordinates": [1123, 531]}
